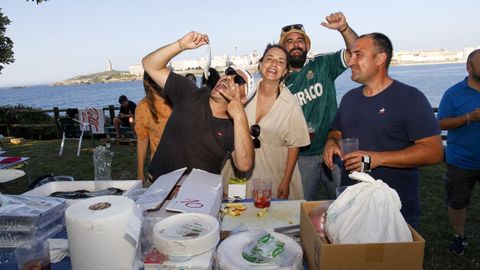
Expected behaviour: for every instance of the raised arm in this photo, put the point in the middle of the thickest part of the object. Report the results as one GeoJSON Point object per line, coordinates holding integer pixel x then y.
{"type": "Point", "coordinates": [155, 63]}
{"type": "Point", "coordinates": [337, 21]}
{"type": "Point", "coordinates": [244, 154]}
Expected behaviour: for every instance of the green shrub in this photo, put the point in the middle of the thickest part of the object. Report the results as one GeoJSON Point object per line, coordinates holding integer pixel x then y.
{"type": "Point", "coordinates": [21, 114]}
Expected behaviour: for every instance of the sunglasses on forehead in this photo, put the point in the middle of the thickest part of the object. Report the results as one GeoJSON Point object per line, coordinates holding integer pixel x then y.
{"type": "Point", "coordinates": [237, 78]}
{"type": "Point", "coordinates": [255, 132]}
{"type": "Point", "coordinates": [293, 26]}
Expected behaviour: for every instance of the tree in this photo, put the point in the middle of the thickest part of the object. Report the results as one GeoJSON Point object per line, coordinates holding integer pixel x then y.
{"type": "Point", "coordinates": [6, 44]}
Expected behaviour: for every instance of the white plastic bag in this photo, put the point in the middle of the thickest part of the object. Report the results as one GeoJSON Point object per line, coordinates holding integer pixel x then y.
{"type": "Point", "coordinates": [367, 212]}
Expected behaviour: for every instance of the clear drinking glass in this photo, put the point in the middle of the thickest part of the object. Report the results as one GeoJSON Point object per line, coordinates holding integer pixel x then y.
{"type": "Point", "coordinates": [349, 145]}
{"type": "Point", "coordinates": [262, 192]}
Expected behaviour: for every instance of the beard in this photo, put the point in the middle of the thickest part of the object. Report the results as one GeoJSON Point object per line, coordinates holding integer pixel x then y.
{"type": "Point", "coordinates": [474, 74]}
{"type": "Point", "coordinates": [297, 61]}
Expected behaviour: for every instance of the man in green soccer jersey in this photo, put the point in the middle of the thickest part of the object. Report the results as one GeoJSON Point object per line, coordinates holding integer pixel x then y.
{"type": "Point", "coordinates": [312, 81]}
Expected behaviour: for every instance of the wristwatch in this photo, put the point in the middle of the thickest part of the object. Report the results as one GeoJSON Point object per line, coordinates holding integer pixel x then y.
{"type": "Point", "coordinates": [366, 160]}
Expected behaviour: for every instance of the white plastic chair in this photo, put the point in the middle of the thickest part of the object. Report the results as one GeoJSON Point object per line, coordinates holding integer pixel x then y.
{"type": "Point", "coordinates": [66, 123]}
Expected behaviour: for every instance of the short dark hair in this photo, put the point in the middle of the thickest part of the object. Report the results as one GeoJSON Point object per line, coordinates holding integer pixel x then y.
{"type": "Point", "coordinates": [471, 56]}
{"type": "Point", "coordinates": [382, 44]}
{"type": "Point", "coordinates": [122, 99]}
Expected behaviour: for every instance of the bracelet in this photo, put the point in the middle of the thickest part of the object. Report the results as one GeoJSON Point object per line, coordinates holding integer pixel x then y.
{"type": "Point", "coordinates": [468, 119]}
{"type": "Point", "coordinates": [345, 29]}
{"type": "Point", "coordinates": [180, 45]}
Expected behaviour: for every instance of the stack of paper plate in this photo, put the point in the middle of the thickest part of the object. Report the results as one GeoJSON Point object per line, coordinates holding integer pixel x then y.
{"type": "Point", "coordinates": [229, 253]}
{"type": "Point", "coordinates": [187, 234]}
{"type": "Point", "coordinates": [8, 175]}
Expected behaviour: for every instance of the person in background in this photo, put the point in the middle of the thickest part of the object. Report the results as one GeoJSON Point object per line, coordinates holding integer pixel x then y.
{"type": "Point", "coordinates": [192, 77]}
{"type": "Point", "coordinates": [459, 113]}
{"type": "Point", "coordinates": [212, 78]}
{"type": "Point", "coordinates": [394, 123]}
{"type": "Point", "coordinates": [278, 128]}
{"type": "Point", "coordinates": [205, 127]}
{"type": "Point", "coordinates": [151, 116]}
{"type": "Point", "coordinates": [126, 117]}
{"type": "Point", "coordinates": [312, 81]}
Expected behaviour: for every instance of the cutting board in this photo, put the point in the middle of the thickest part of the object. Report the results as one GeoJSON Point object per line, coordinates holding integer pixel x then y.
{"type": "Point", "coordinates": [280, 214]}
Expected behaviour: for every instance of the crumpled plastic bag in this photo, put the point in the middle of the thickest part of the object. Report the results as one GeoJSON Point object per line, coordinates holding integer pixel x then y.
{"type": "Point", "coordinates": [265, 248]}
{"type": "Point", "coordinates": [102, 160]}
{"type": "Point", "coordinates": [367, 212]}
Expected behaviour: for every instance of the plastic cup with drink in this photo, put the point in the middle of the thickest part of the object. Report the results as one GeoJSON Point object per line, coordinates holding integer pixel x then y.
{"type": "Point", "coordinates": [349, 145]}
{"type": "Point", "coordinates": [33, 255]}
{"type": "Point", "coordinates": [262, 192]}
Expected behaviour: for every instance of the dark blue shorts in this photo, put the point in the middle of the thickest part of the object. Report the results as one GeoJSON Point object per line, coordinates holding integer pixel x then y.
{"type": "Point", "coordinates": [459, 185]}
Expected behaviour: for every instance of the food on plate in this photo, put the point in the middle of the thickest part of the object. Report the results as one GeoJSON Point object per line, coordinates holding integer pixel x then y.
{"type": "Point", "coordinates": [262, 212]}
{"type": "Point", "coordinates": [234, 209]}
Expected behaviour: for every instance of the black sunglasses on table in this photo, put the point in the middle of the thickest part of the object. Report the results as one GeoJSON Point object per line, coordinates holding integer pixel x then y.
{"type": "Point", "coordinates": [237, 78]}
{"type": "Point", "coordinates": [255, 132]}
{"type": "Point", "coordinates": [292, 26]}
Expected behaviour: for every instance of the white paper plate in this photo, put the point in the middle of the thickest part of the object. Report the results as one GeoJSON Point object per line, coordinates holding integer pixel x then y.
{"type": "Point", "coordinates": [186, 234]}
{"type": "Point", "coordinates": [11, 174]}
{"type": "Point", "coordinates": [229, 252]}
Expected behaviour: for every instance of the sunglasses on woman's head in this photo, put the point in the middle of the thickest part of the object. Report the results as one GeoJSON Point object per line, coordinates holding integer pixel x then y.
{"type": "Point", "coordinates": [293, 26]}
{"type": "Point", "coordinates": [237, 78]}
{"type": "Point", "coordinates": [255, 132]}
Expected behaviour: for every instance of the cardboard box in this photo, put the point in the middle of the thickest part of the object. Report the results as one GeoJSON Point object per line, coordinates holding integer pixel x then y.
{"type": "Point", "coordinates": [201, 192]}
{"type": "Point", "coordinates": [322, 255]}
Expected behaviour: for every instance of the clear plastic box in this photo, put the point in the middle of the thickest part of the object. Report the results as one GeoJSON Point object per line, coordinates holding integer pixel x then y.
{"type": "Point", "coordinates": [25, 213]}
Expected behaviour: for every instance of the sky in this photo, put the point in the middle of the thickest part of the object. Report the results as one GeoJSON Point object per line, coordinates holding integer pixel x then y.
{"type": "Point", "coordinates": [60, 39]}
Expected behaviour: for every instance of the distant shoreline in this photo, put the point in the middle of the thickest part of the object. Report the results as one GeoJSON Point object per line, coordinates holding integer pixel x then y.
{"type": "Point", "coordinates": [125, 76]}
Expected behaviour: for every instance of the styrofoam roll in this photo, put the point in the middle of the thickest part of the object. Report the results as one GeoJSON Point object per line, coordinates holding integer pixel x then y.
{"type": "Point", "coordinates": [186, 234]}
{"type": "Point", "coordinates": [97, 233]}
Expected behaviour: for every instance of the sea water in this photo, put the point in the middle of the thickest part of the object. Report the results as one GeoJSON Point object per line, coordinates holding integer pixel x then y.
{"type": "Point", "coordinates": [432, 80]}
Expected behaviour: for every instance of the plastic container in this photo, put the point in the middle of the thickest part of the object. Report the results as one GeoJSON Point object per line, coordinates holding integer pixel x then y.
{"type": "Point", "coordinates": [25, 213]}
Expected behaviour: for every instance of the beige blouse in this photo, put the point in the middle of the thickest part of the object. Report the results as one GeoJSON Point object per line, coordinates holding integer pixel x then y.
{"type": "Point", "coordinates": [284, 126]}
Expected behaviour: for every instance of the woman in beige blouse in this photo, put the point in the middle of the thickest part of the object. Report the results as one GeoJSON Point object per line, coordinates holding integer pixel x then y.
{"type": "Point", "coordinates": [278, 128]}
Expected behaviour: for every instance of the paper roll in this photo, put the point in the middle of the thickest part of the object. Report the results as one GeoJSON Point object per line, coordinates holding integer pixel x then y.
{"type": "Point", "coordinates": [97, 233]}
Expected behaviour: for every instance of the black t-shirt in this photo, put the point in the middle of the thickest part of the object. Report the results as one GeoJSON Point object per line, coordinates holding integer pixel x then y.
{"type": "Point", "coordinates": [130, 109]}
{"type": "Point", "coordinates": [192, 137]}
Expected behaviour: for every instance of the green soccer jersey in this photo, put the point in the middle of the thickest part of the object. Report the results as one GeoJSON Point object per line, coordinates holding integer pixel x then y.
{"type": "Point", "coordinates": [314, 86]}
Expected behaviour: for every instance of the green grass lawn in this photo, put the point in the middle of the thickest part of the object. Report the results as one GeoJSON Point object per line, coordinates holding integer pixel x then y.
{"type": "Point", "coordinates": [434, 225]}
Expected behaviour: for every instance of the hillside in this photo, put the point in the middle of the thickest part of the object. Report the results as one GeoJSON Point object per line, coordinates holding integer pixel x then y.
{"type": "Point", "coordinates": [100, 77]}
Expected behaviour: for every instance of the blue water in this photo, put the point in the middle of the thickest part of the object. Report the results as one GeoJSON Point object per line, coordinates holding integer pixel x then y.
{"type": "Point", "coordinates": [433, 80]}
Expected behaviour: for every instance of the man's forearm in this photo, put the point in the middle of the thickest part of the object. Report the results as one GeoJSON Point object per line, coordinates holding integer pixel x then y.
{"type": "Point", "coordinates": [244, 153]}
{"type": "Point", "coordinates": [425, 151]}
{"type": "Point", "coordinates": [349, 36]}
{"type": "Point", "coordinates": [155, 63]}
{"type": "Point", "coordinates": [454, 122]}
{"type": "Point", "coordinates": [334, 136]}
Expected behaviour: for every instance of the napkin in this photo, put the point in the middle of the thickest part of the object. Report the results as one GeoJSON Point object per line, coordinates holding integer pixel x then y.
{"type": "Point", "coordinates": [10, 159]}
{"type": "Point", "coordinates": [58, 249]}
